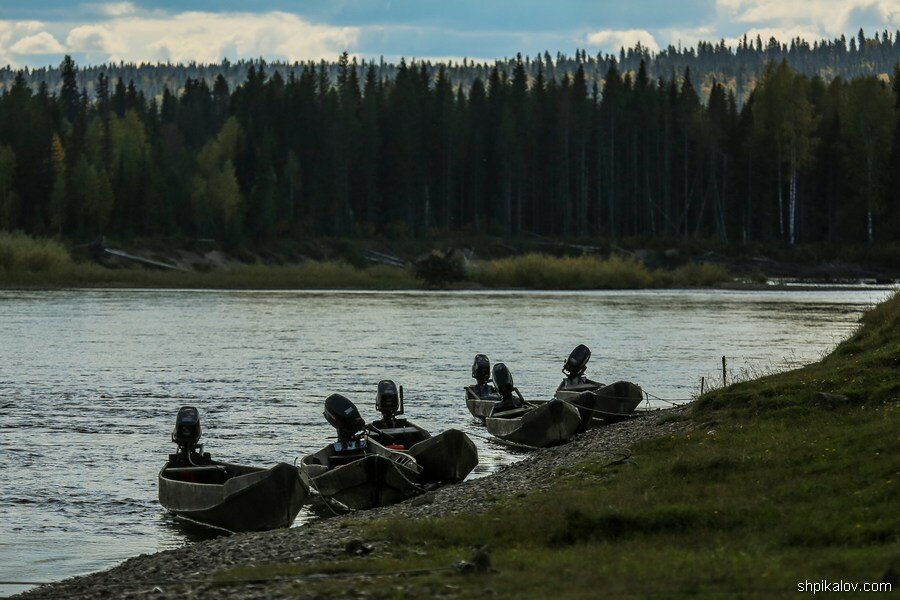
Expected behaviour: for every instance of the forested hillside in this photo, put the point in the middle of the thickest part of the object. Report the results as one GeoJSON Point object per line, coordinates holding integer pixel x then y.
{"type": "Point", "coordinates": [737, 66]}
{"type": "Point", "coordinates": [544, 149]}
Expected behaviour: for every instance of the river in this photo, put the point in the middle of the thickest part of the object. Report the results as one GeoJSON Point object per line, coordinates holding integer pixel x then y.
{"type": "Point", "coordinates": [90, 381]}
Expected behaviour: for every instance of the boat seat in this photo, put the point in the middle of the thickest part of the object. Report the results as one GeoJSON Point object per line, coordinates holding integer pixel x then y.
{"type": "Point", "coordinates": [398, 430]}
{"type": "Point", "coordinates": [339, 460]}
{"type": "Point", "coordinates": [208, 474]}
{"type": "Point", "coordinates": [201, 468]}
{"type": "Point", "coordinates": [580, 387]}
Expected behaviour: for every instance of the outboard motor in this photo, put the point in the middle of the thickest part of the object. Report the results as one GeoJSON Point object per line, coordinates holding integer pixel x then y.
{"type": "Point", "coordinates": [575, 366]}
{"type": "Point", "coordinates": [577, 361]}
{"type": "Point", "coordinates": [503, 380]}
{"type": "Point", "coordinates": [187, 435]}
{"type": "Point", "coordinates": [344, 417]}
{"type": "Point", "coordinates": [388, 401]}
{"type": "Point", "coordinates": [481, 370]}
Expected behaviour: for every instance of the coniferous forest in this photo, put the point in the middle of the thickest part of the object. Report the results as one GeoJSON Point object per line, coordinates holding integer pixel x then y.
{"type": "Point", "coordinates": [541, 148]}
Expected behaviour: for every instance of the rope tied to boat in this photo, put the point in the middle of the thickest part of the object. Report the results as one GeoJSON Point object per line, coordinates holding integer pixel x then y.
{"type": "Point", "coordinates": [673, 402]}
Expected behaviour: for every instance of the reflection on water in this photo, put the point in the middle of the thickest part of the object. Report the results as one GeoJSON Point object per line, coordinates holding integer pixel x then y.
{"type": "Point", "coordinates": [90, 382]}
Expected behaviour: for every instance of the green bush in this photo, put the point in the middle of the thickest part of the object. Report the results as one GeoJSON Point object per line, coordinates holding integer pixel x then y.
{"type": "Point", "coordinates": [588, 272]}
{"type": "Point", "coordinates": [700, 274]}
{"type": "Point", "coordinates": [540, 271]}
{"type": "Point", "coordinates": [19, 252]}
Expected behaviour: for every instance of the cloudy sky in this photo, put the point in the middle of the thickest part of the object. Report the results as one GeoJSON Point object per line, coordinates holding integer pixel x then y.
{"type": "Point", "coordinates": [39, 32]}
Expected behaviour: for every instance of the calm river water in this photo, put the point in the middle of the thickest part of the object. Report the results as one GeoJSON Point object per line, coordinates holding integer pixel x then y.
{"type": "Point", "coordinates": [90, 381]}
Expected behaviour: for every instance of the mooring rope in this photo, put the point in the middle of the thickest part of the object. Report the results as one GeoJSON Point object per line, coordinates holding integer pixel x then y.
{"type": "Point", "coordinates": [673, 401]}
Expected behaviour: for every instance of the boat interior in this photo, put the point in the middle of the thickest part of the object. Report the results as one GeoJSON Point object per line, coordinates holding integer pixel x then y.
{"type": "Point", "coordinates": [512, 413]}
{"type": "Point", "coordinates": [206, 474]}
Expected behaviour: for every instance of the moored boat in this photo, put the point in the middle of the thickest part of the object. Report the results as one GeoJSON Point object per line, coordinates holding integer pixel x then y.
{"type": "Point", "coordinates": [226, 496]}
{"type": "Point", "coordinates": [516, 422]}
{"type": "Point", "coordinates": [357, 472]}
{"type": "Point", "coordinates": [575, 383]}
{"type": "Point", "coordinates": [594, 400]}
{"type": "Point", "coordinates": [610, 403]}
{"type": "Point", "coordinates": [481, 397]}
{"type": "Point", "coordinates": [446, 457]}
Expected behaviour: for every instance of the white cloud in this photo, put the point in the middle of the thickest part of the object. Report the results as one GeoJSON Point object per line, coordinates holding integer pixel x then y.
{"type": "Point", "coordinates": [611, 40]}
{"type": "Point", "coordinates": [823, 17]}
{"type": "Point", "coordinates": [687, 37]}
{"type": "Point", "coordinates": [93, 40]}
{"type": "Point", "coordinates": [209, 37]}
{"type": "Point", "coordinates": [39, 43]}
{"type": "Point", "coordinates": [117, 9]}
{"type": "Point", "coordinates": [187, 36]}
{"type": "Point", "coordinates": [10, 33]}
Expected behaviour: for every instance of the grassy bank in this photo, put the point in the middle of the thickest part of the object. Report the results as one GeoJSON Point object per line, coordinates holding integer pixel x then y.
{"type": "Point", "coordinates": [540, 271]}
{"type": "Point", "coordinates": [308, 275]}
{"type": "Point", "coordinates": [764, 490]}
{"type": "Point", "coordinates": [30, 262]}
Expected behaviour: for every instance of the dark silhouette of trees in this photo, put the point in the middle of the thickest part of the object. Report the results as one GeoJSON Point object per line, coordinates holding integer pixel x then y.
{"type": "Point", "coordinates": [544, 147]}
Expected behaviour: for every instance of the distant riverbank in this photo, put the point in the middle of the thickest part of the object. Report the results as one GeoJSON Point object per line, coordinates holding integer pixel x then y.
{"type": "Point", "coordinates": [27, 262]}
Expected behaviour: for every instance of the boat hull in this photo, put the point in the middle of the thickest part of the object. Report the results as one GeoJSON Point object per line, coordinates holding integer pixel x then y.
{"type": "Point", "coordinates": [549, 424]}
{"type": "Point", "coordinates": [610, 403]}
{"type": "Point", "coordinates": [447, 457]}
{"type": "Point", "coordinates": [256, 500]}
{"type": "Point", "coordinates": [480, 407]}
{"type": "Point", "coordinates": [380, 478]}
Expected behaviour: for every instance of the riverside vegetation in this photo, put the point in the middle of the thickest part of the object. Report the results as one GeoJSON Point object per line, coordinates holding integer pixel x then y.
{"type": "Point", "coordinates": [761, 489]}
{"type": "Point", "coordinates": [30, 262]}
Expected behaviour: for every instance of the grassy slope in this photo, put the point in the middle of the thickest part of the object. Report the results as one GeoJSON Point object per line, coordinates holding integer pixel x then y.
{"type": "Point", "coordinates": [763, 492]}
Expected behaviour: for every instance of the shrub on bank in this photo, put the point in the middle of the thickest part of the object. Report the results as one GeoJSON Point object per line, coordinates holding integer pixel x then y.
{"type": "Point", "coordinates": [698, 274]}
{"type": "Point", "coordinates": [539, 271]}
{"type": "Point", "coordinates": [20, 252]}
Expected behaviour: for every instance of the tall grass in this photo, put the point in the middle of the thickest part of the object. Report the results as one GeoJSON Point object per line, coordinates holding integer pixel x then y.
{"type": "Point", "coordinates": [539, 271]}
{"type": "Point", "coordinates": [307, 275]}
{"type": "Point", "coordinates": [36, 262]}
{"type": "Point", "coordinates": [20, 252]}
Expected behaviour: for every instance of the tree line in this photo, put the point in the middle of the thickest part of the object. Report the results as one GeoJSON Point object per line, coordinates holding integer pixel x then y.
{"type": "Point", "coordinates": [303, 153]}
{"type": "Point", "coordinates": [737, 65]}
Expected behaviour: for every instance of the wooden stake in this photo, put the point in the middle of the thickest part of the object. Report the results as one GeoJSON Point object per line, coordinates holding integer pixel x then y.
{"type": "Point", "coordinates": [702, 385]}
{"type": "Point", "coordinates": [724, 378]}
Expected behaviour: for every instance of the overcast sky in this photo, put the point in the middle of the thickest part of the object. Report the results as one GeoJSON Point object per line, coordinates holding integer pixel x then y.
{"type": "Point", "coordinates": [39, 32]}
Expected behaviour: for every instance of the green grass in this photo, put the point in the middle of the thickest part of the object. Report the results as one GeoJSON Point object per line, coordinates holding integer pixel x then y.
{"type": "Point", "coordinates": [540, 271]}
{"type": "Point", "coordinates": [30, 262]}
{"type": "Point", "coordinates": [762, 490]}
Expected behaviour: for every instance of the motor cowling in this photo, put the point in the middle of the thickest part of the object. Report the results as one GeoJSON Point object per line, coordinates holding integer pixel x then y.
{"type": "Point", "coordinates": [343, 415]}
{"type": "Point", "coordinates": [187, 427]}
{"type": "Point", "coordinates": [388, 401]}
{"type": "Point", "coordinates": [481, 369]}
{"type": "Point", "coordinates": [503, 380]}
{"type": "Point", "coordinates": [577, 361]}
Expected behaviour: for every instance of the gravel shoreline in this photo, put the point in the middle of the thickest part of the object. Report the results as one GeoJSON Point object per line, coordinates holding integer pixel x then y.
{"type": "Point", "coordinates": [184, 572]}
